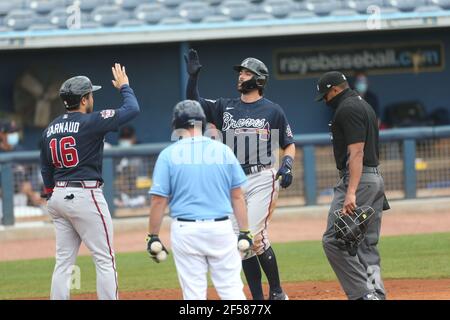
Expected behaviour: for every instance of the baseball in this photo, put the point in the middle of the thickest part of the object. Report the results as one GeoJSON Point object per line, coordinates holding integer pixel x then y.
{"type": "Point", "coordinates": [243, 245]}
{"type": "Point", "coordinates": [156, 247]}
{"type": "Point", "coordinates": [161, 256]}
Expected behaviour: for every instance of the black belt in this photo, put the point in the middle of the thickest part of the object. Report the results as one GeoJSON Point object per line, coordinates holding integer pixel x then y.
{"type": "Point", "coordinates": [254, 169]}
{"type": "Point", "coordinates": [78, 184]}
{"type": "Point", "coordinates": [366, 169]}
{"type": "Point", "coordinates": [193, 220]}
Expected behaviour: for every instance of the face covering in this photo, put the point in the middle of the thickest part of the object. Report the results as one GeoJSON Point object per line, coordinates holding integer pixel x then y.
{"type": "Point", "coordinates": [124, 143]}
{"type": "Point", "coordinates": [12, 138]}
{"type": "Point", "coordinates": [361, 86]}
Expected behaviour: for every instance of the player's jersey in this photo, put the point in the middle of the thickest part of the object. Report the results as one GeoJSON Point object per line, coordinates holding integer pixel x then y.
{"type": "Point", "coordinates": [251, 123]}
{"type": "Point", "coordinates": [72, 144]}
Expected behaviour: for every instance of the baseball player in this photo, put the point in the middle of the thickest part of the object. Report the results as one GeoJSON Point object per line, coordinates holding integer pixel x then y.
{"type": "Point", "coordinates": [250, 125]}
{"type": "Point", "coordinates": [201, 180]}
{"type": "Point", "coordinates": [71, 167]}
{"type": "Point", "coordinates": [354, 131]}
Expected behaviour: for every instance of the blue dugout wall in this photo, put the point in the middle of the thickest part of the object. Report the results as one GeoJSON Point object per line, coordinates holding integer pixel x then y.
{"type": "Point", "coordinates": [154, 72]}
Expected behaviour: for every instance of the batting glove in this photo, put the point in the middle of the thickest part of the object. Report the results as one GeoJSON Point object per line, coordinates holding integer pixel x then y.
{"type": "Point", "coordinates": [192, 62]}
{"type": "Point", "coordinates": [285, 171]}
{"type": "Point", "coordinates": [151, 239]}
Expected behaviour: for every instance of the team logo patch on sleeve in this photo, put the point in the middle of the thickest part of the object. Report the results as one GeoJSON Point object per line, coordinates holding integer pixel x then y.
{"type": "Point", "coordinates": [107, 113]}
{"type": "Point", "coordinates": [289, 131]}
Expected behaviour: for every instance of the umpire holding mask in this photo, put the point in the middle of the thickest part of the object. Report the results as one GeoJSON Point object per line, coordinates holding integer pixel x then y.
{"type": "Point", "coordinates": [354, 129]}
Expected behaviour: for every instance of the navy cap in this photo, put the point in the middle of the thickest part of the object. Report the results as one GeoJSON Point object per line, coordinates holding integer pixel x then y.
{"type": "Point", "coordinates": [327, 81]}
{"type": "Point", "coordinates": [9, 126]}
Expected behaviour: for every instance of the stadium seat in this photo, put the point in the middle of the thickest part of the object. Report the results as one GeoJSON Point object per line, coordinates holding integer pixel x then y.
{"type": "Point", "coordinates": [172, 3]}
{"type": "Point", "coordinates": [444, 4]}
{"type": "Point", "coordinates": [194, 11]}
{"type": "Point", "coordinates": [173, 21]}
{"type": "Point", "coordinates": [58, 17]}
{"type": "Point", "coordinates": [235, 9]}
{"type": "Point", "coordinates": [428, 8]}
{"type": "Point", "coordinates": [45, 6]}
{"type": "Point", "coordinates": [9, 5]}
{"type": "Point", "coordinates": [151, 13]}
{"type": "Point", "coordinates": [343, 13]}
{"type": "Point", "coordinates": [217, 19]}
{"type": "Point", "coordinates": [130, 23]}
{"type": "Point", "coordinates": [128, 4]}
{"type": "Point", "coordinates": [108, 15]}
{"type": "Point", "coordinates": [214, 3]}
{"type": "Point", "coordinates": [279, 8]}
{"type": "Point", "coordinates": [42, 27]}
{"type": "Point", "coordinates": [301, 14]}
{"type": "Point", "coordinates": [19, 20]}
{"type": "Point", "coordinates": [407, 5]}
{"type": "Point", "coordinates": [323, 8]}
{"type": "Point", "coordinates": [89, 5]}
{"type": "Point", "coordinates": [259, 16]}
{"type": "Point", "coordinates": [90, 24]}
{"type": "Point", "coordinates": [361, 5]}
{"type": "Point", "coordinates": [388, 10]}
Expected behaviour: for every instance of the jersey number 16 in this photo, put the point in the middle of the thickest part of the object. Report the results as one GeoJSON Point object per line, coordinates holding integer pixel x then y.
{"type": "Point", "coordinates": [64, 154]}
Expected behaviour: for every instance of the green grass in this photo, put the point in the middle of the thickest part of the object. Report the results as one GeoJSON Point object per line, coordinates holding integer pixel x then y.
{"type": "Point", "coordinates": [418, 256]}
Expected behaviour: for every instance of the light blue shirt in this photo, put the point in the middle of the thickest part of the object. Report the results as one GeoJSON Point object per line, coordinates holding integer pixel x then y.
{"type": "Point", "coordinates": [197, 175]}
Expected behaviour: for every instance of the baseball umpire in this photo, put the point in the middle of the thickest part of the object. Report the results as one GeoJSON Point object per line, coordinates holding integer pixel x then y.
{"type": "Point", "coordinates": [71, 168]}
{"type": "Point", "coordinates": [354, 130]}
{"type": "Point", "coordinates": [250, 125]}
{"type": "Point", "coordinates": [202, 194]}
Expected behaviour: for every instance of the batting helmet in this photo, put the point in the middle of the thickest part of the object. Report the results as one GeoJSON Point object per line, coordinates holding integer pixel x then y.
{"type": "Point", "coordinates": [260, 70]}
{"type": "Point", "coordinates": [186, 113]}
{"type": "Point", "coordinates": [73, 89]}
{"type": "Point", "coordinates": [352, 228]}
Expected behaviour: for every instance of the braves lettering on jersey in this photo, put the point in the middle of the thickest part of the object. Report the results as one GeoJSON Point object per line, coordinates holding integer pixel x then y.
{"type": "Point", "coordinates": [250, 125]}
{"type": "Point", "coordinates": [72, 145]}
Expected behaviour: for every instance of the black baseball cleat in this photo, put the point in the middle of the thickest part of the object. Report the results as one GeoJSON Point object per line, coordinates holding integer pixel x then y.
{"type": "Point", "coordinates": [278, 296]}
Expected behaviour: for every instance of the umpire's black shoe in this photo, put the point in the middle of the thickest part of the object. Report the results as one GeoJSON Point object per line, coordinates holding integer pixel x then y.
{"type": "Point", "coordinates": [278, 296]}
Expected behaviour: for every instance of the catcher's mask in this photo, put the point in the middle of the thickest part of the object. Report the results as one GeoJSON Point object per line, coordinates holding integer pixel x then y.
{"type": "Point", "coordinates": [352, 228]}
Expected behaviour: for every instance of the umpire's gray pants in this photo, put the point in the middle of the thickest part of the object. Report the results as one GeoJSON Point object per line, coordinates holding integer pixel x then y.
{"type": "Point", "coordinates": [360, 274]}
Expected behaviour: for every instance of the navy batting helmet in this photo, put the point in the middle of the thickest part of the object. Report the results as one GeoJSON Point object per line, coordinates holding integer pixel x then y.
{"type": "Point", "coordinates": [186, 113]}
{"type": "Point", "coordinates": [73, 89]}
{"type": "Point", "coordinates": [259, 69]}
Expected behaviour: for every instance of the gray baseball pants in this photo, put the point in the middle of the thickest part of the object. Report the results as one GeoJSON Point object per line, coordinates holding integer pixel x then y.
{"type": "Point", "coordinates": [360, 274]}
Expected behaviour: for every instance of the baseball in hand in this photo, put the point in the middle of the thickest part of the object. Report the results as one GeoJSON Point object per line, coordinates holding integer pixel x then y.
{"type": "Point", "coordinates": [243, 245]}
{"type": "Point", "coordinates": [161, 256]}
{"type": "Point", "coordinates": [156, 247]}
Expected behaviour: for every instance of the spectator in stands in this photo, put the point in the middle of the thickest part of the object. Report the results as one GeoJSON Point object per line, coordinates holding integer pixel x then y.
{"type": "Point", "coordinates": [23, 174]}
{"type": "Point", "coordinates": [127, 136]}
{"type": "Point", "coordinates": [128, 171]}
{"type": "Point", "coordinates": [10, 136]}
{"type": "Point", "coordinates": [361, 84]}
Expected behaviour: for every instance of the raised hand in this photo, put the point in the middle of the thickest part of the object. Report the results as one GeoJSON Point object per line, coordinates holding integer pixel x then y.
{"type": "Point", "coordinates": [192, 62]}
{"type": "Point", "coordinates": [120, 76]}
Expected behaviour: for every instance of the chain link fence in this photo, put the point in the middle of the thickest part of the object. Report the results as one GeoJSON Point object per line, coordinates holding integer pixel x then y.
{"type": "Point", "coordinates": [132, 176]}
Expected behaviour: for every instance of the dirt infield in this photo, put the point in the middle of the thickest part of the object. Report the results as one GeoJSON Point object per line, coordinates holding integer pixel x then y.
{"type": "Point", "coordinates": [325, 290]}
{"type": "Point", "coordinates": [283, 228]}
{"type": "Point", "coordinates": [416, 218]}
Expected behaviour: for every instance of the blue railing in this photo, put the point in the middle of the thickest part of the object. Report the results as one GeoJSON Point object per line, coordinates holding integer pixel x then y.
{"type": "Point", "coordinates": [308, 145]}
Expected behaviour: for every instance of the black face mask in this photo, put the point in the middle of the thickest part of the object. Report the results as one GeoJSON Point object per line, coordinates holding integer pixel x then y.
{"type": "Point", "coordinates": [333, 103]}
{"type": "Point", "coordinates": [248, 86]}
